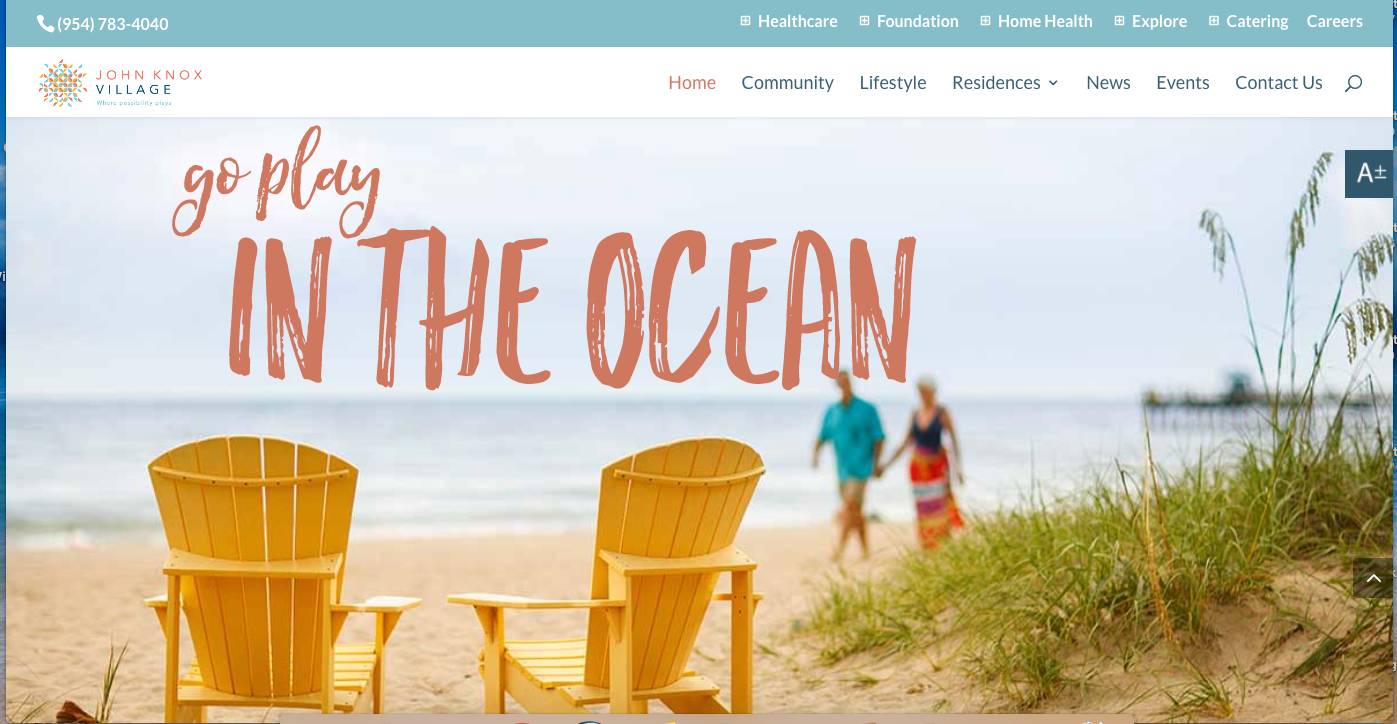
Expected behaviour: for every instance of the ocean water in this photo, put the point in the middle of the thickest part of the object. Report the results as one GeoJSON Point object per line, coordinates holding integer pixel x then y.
{"type": "Point", "coordinates": [76, 470]}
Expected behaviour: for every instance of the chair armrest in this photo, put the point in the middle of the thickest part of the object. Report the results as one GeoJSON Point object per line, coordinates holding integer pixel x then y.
{"type": "Point", "coordinates": [378, 604]}
{"type": "Point", "coordinates": [492, 600]}
{"type": "Point", "coordinates": [726, 559]}
{"type": "Point", "coordinates": [185, 563]}
{"type": "Point", "coordinates": [725, 596]}
{"type": "Point", "coordinates": [160, 606]}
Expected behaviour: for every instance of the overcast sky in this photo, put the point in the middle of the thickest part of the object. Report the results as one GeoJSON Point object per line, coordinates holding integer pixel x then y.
{"type": "Point", "coordinates": [1054, 258]}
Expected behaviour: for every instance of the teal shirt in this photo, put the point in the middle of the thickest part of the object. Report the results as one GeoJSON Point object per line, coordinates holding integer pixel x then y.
{"type": "Point", "coordinates": [853, 429]}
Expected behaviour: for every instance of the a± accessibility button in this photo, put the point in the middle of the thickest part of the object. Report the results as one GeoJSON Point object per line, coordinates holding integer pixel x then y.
{"type": "Point", "coordinates": [1368, 174]}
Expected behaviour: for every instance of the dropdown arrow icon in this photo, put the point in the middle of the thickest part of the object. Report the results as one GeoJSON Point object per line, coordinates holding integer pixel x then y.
{"type": "Point", "coordinates": [1052, 82]}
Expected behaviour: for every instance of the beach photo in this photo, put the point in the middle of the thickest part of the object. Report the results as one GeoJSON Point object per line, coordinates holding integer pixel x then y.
{"type": "Point", "coordinates": [772, 416]}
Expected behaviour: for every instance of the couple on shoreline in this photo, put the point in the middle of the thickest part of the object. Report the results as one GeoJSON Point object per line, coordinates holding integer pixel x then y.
{"type": "Point", "coordinates": [851, 425]}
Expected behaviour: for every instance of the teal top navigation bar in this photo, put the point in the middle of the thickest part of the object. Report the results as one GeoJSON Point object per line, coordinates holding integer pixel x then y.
{"type": "Point", "coordinates": [718, 23]}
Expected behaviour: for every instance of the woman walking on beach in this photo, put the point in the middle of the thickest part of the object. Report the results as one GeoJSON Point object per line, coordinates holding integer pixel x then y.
{"type": "Point", "coordinates": [937, 513]}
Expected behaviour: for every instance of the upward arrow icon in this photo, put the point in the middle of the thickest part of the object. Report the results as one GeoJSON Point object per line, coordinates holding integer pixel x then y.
{"type": "Point", "coordinates": [1374, 578]}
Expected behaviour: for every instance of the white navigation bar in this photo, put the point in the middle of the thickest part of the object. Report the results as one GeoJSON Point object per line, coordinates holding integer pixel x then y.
{"type": "Point", "coordinates": [698, 82]}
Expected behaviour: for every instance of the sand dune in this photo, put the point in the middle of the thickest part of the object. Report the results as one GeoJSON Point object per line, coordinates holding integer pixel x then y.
{"type": "Point", "coordinates": [66, 606]}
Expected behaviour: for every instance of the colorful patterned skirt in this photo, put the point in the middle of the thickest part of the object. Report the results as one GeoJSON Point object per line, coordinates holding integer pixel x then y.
{"type": "Point", "coordinates": [937, 513]}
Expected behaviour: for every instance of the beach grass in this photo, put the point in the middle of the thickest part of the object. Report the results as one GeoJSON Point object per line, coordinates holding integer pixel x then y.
{"type": "Point", "coordinates": [1125, 566]}
{"type": "Point", "coordinates": [1143, 555]}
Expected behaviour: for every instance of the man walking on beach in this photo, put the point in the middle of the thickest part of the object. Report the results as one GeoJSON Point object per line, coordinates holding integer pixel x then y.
{"type": "Point", "coordinates": [852, 425]}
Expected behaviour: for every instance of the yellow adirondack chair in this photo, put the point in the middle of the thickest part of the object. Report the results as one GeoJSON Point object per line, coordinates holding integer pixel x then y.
{"type": "Point", "coordinates": [666, 520]}
{"type": "Point", "coordinates": [257, 529]}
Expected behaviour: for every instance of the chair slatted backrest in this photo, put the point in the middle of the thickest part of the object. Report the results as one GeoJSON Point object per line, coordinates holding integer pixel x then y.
{"type": "Point", "coordinates": [255, 499]}
{"type": "Point", "coordinates": [694, 510]}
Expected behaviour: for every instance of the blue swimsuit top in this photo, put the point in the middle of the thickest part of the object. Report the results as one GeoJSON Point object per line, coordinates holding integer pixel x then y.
{"type": "Point", "coordinates": [928, 438]}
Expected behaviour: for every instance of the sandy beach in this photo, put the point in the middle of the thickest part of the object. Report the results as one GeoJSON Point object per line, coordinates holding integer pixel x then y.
{"type": "Point", "coordinates": [66, 606]}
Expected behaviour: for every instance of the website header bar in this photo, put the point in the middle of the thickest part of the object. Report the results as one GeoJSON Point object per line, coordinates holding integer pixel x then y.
{"type": "Point", "coordinates": [699, 83]}
{"type": "Point", "coordinates": [722, 23]}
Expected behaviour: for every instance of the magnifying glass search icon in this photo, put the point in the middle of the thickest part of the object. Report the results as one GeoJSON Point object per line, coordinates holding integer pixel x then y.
{"type": "Point", "coordinates": [1354, 83]}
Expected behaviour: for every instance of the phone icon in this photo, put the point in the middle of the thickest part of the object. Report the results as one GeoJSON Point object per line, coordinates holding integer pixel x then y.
{"type": "Point", "coordinates": [47, 28]}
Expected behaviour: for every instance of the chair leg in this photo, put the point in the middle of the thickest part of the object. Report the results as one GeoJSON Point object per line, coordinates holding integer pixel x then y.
{"type": "Point", "coordinates": [327, 650]}
{"type": "Point", "coordinates": [622, 672]}
{"type": "Point", "coordinates": [492, 623]}
{"type": "Point", "coordinates": [384, 623]}
{"type": "Point", "coordinates": [194, 714]}
{"type": "Point", "coordinates": [742, 610]}
{"type": "Point", "coordinates": [172, 606]}
{"type": "Point", "coordinates": [376, 681]}
{"type": "Point", "coordinates": [364, 705]}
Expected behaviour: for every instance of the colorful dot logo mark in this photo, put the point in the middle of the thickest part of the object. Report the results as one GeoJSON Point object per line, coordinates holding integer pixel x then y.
{"type": "Point", "coordinates": [62, 84]}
